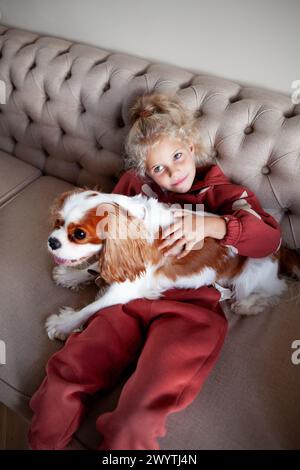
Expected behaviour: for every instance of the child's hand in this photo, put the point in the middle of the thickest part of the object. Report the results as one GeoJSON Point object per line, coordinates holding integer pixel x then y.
{"type": "Point", "coordinates": [189, 230]}
{"type": "Point", "coordinates": [186, 233]}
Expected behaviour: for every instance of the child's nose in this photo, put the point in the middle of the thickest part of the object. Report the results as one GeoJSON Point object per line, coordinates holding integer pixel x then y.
{"type": "Point", "coordinates": [175, 174]}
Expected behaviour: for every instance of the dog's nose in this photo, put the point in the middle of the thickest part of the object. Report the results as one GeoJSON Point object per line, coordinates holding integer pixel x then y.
{"type": "Point", "coordinates": [54, 243]}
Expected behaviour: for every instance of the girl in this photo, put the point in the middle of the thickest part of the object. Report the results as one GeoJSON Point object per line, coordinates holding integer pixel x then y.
{"type": "Point", "coordinates": [175, 340]}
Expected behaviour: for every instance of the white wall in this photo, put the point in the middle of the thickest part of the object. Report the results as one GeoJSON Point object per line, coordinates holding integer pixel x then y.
{"type": "Point", "coordinates": [251, 41]}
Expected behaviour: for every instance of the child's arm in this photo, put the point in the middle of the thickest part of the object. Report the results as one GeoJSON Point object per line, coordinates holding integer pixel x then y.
{"type": "Point", "coordinates": [250, 230]}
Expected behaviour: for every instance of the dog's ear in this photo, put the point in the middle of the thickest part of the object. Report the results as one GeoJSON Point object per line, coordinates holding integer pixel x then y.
{"type": "Point", "coordinates": [59, 202]}
{"type": "Point", "coordinates": [125, 249]}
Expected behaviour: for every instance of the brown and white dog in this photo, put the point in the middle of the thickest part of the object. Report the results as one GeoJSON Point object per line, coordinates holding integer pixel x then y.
{"type": "Point", "coordinates": [123, 234]}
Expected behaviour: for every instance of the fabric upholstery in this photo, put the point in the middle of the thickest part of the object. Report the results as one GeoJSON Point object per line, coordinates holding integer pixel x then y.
{"type": "Point", "coordinates": [250, 400]}
{"type": "Point", "coordinates": [64, 123]}
{"type": "Point", "coordinates": [15, 175]}
{"type": "Point", "coordinates": [27, 292]}
{"type": "Point", "coordinates": [66, 113]}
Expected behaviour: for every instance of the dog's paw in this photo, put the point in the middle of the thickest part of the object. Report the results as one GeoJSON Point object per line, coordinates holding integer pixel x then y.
{"type": "Point", "coordinates": [61, 326]}
{"type": "Point", "coordinates": [243, 308]}
{"type": "Point", "coordinates": [253, 305]}
{"type": "Point", "coordinates": [71, 278]}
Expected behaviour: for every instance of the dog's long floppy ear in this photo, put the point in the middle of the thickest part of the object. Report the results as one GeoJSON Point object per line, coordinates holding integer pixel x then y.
{"type": "Point", "coordinates": [125, 249]}
{"type": "Point", "coordinates": [59, 202]}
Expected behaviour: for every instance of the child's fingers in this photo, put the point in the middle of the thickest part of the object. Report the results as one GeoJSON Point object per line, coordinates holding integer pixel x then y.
{"type": "Point", "coordinates": [171, 229]}
{"type": "Point", "coordinates": [169, 241]}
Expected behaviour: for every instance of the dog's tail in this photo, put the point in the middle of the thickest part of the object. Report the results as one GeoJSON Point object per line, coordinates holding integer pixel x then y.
{"type": "Point", "coordinates": [289, 263]}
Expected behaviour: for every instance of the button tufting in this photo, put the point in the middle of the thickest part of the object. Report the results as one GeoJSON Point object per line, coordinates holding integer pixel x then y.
{"type": "Point", "coordinates": [66, 51]}
{"type": "Point", "coordinates": [28, 44]}
{"type": "Point", "coordinates": [248, 130]}
{"type": "Point", "coordinates": [101, 61]}
{"type": "Point", "coordinates": [185, 85]}
{"type": "Point", "coordinates": [234, 99]}
{"type": "Point", "coordinates": [214, 154]}
{"type": "Point", "coordinates": [140, 74]}
{"type": "Point", "coordinates": [198, 113]}
{"type": "Point", "coordinates": [266, 170]}
{"type": "Point", "coordinates": [120, 122]}
{"type": "Point", "coordinates": [106, 87]}
{"type": "Point", "coordinates": [290, 114]}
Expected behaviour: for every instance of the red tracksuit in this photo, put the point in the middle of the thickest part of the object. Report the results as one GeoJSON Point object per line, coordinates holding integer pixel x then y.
{"type": "Point", "coordinates": [175, 340]}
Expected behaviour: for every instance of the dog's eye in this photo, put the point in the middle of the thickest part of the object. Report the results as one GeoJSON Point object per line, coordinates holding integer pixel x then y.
{"type": "Point", "coordinates": [79, 234]}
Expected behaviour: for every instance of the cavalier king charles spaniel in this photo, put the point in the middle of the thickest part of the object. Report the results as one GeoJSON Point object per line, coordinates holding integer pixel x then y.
{"type": "Point", "coordinates": [118, 237]}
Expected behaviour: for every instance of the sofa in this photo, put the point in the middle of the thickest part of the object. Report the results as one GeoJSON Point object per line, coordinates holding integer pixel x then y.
{"type": "Point", "coordinates": [63, 122]}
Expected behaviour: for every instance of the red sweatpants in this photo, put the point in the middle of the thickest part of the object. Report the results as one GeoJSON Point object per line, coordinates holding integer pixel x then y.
{"type": "Point", "coordinates": [176, 339]}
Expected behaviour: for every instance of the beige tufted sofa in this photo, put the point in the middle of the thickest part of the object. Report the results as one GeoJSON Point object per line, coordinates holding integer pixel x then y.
{"type": "Point", "coordinates": [63, 124]}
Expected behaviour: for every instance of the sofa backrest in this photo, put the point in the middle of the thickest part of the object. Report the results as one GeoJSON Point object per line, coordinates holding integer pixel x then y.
{"type": "Point", "coordinates": [66, 112]}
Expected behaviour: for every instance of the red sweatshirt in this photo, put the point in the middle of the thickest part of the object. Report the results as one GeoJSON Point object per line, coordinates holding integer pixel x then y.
{"type": "Point", "coordinates": [250, 230]}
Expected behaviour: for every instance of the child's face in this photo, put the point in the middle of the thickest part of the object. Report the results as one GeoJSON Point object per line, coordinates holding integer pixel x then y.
{"type": "Point", "coordinates": [171, 164]}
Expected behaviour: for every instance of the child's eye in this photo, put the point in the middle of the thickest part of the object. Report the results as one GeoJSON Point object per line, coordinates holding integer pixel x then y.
{"type": "Point", "coordinates": [177, 155]}
{"type": "Point", "coordinates": [158, 168]}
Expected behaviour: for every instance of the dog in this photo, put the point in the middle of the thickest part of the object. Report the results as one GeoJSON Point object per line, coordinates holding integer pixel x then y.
{"type": "Point", "coordinates": [88, 238]}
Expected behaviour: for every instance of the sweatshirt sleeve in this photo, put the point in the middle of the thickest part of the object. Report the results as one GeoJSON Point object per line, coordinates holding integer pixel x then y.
{"type": "Point", "coordinates": [129, 184]}
{"type": "Point", "coordinates": [250, 230]}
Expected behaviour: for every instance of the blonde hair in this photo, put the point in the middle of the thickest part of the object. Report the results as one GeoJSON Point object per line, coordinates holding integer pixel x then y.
{"type": "Point", "coordinates": [153, 117]}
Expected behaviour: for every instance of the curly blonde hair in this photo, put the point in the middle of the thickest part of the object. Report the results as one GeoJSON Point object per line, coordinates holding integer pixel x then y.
{"type": "Point", "coordinates": [154, 116]}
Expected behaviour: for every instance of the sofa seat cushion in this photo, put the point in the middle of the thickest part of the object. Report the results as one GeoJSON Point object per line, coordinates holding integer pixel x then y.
{"type": "Point", "coordinates": [28, 294]}
{"type": "Point", "coordinates": [251, 398]}
{"type": "Point", "coordinates": [14, 175]}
